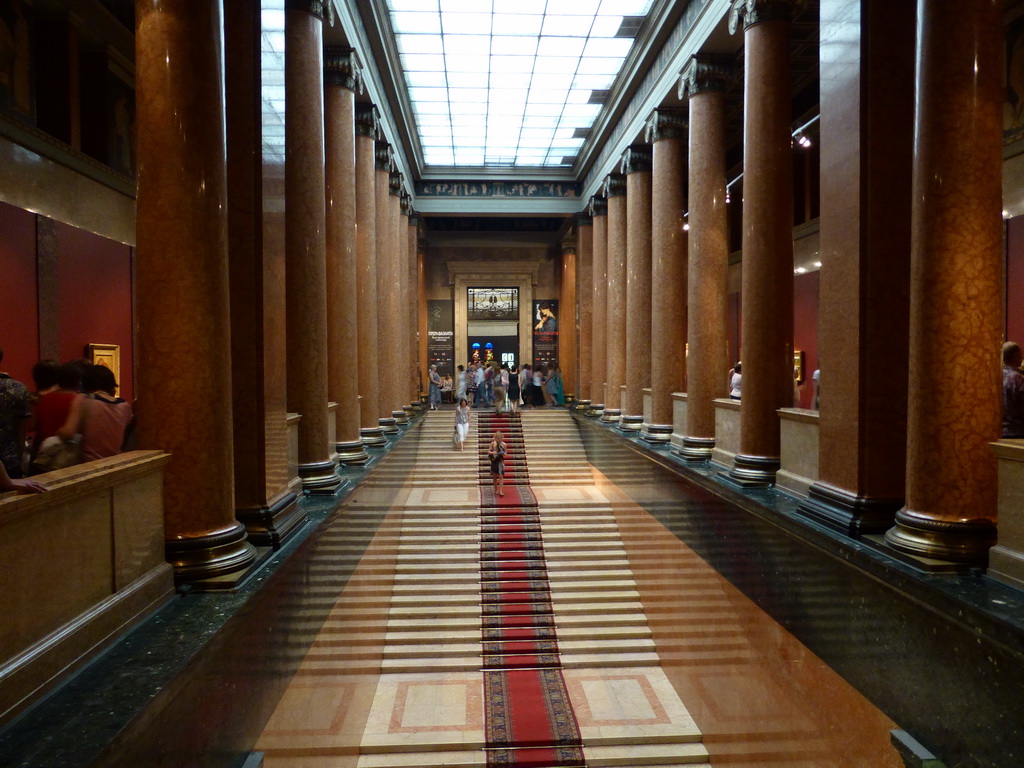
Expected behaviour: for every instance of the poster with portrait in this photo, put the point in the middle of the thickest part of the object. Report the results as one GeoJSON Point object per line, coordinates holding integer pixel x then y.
{"type": "Point", "coordinates": [545, 333]}
{"type": "Point", "coordinates": [441, 335]}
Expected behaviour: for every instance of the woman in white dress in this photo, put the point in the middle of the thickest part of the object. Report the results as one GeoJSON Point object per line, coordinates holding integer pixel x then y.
{"type": "Point", "coordinates": [462, 423]}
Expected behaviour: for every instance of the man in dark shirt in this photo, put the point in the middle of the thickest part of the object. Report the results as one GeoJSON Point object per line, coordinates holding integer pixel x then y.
{"type": "Point", "coordinates": [15, 410]}
{"type": "Point", "coordinates": [1013, 391]}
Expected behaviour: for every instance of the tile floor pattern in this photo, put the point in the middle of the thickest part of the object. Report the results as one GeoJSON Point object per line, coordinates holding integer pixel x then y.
{"type": "Point", "coordinates": [647, 633]}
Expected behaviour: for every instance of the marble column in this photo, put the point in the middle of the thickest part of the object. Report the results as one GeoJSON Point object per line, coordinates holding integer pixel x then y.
{"type": "Point", "coordinates": [305, 238]}
{"type": "Point", "coordinates": [767, 324]}
{"type": "Point", "coordinates": [412, 393]}
{"type": "Point", "coordinates": [705, 81]}
{"type": "Point", "coordinates": [399, 242]}
{"type": "Point", "coordinates": [867, 134]}
{"type": "Point", "coordinates": [567, 327]}
{"type": "Point", "coordinates": [666, 132]}
{"type": "Point", "coordinates": [615, 322]}
{"type": "Point", "coordinates": [421, 321]}
{"type": "Point", "coordinates": [599, 294]}
{"type": "Point", "coordinates": [341, 78]}
{"type": "Point", "coordinates": [636, 165]}
{"type": "Point", "coordinates": [956, 285]}
{"type": "Point", "coordinates": [385, 235]}
{"type": "Point", "coordinates": [585, 305]}
{"type": "Point", "coordinates": [265, 502]}
{"type": "Point", "coordinates": [366, 276]}
{"type": "Point", "coordinates": [182, 283]}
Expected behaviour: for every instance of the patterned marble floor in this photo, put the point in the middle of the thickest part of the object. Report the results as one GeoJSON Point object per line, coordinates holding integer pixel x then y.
{"type": "Point", "coordinates": [665, 663]}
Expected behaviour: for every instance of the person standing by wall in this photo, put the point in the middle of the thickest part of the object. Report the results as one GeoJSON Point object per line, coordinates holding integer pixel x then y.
{"type": "Point", "coordinates": [15, 416]}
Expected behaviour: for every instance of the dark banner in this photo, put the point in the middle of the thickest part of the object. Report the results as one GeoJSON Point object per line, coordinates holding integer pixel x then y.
{"type": "Point", "coordinates": [441, 335]}
{"type": "Point", "coordinates": [545, 333]}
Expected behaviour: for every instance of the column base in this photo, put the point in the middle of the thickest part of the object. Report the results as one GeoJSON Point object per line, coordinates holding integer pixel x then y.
{"type": "Point", "coordinates": [411, 409]}
{"type": "Point", "coordinates": [753, 471]}
{"type": "Point", "coordinates": [319, 478]}
{"type": "Point", "coordinates": [696, 448]}
{"type": "Point", "coordinates": [957, 542]}
{"type": "Point", "coordinates": [400, 417]}
{"type": "Point", "coordinates": [847, 512]}
{"type": "Point", "coordinates": [388, 425]}
{"type": "Point", "coordinates": [214, 554]}
{"type": "Point", "coordinates": [596, 410]}
{"type": "Point", "coordinates": [611, 415]}
{"type": "Point", "coordinates": [352, 452]}
{"type": "Point", "coordinates": [581, 405]}
{"type": "Point", "coordinates": [272, 525]}
{"type": "Point", "coordinates": [657, 433]}
{"type": "Point", "coordinates": [630, 423]}
{"type": "Point", "coordinates": [373, 437]}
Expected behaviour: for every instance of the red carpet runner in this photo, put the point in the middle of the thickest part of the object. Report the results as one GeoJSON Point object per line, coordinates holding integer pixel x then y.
{"type": "Point", "coordinates": [529, 718]}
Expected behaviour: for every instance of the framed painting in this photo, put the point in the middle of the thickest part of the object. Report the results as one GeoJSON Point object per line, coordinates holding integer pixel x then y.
{"type": "Point", "coordinates": [107, 355]}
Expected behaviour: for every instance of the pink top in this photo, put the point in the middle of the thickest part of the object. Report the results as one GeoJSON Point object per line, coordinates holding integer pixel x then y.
{"type": "Point", "coordinates": [105, 423]}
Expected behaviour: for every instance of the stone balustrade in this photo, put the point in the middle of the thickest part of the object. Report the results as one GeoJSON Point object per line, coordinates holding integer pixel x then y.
{"type": "Point", "coordinates": [82, 564]}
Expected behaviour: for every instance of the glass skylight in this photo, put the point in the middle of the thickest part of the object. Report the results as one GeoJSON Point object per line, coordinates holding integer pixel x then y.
{"type": "Point", "coordinates": [510, 82]}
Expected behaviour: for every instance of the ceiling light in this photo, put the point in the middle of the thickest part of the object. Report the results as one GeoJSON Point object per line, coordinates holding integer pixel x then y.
{"type": "Point", "coordinates": [800, 270]}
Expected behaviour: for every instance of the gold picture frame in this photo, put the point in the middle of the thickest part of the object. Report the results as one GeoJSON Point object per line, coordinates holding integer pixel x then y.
{"type": "Point", "coordinates": [798, 366]}
{"type": "Point", "coordinates": [107, 355]}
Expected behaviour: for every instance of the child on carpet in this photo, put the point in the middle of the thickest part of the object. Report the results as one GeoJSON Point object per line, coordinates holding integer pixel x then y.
{"type": "Point", "coordinates": [496, 453]}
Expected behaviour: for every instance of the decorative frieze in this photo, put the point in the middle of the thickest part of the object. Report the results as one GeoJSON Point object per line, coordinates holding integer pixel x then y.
{"type": "Point", "coordinates": [516, 189]}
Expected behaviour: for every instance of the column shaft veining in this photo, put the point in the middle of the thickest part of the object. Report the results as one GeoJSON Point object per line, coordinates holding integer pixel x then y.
{"type": "Point", "coordinates": [182, 282]}
{"type": "Point", "coordinates": [397, 271]}
{"type": "Point", "coordinates": [585, 304]}
{"type": "Point", "coordinates": [636, 166]}
{"type": "Point", "coordinates": [265, 501]}
{"type": "Point", "coordinates": [615, 191]}
{"type": "Point", "coordinates": [567, 322]}
{"type": "Point", "coordinates": [767, 283]}
{"type": "Point", "coordinates": [341, 79]}
{"type": "Point", "coordinates": [599, 293]}
{"type": "Point", "coordinates": [667, 133]}
{"type": "Point", "coordinates": [385, 236]}
{"type": "Point", "coordinates": [305, 238]}
{"type": "Point", "coordinates": [707, 363]}
{"type": "Point", "coordinates": [868, 54]}
{"type": "Point", "coordinates": [366, 276]}
{"type": "Point", "coordinates": [413, 294]}
{"type": "Point", "coordinates": [956, 285]}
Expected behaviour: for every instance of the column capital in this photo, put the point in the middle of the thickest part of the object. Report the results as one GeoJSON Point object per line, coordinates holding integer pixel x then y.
{"type": "Point", "coordinates": [318, 8]}
{"type": "Point", "coordinates": [755, 11]}
{"type": "Point", "coordinates": [598, 206]}
{"type": "Point", "coordinates": [636, 159]}
{"type": "Point", "coordinates": [342, 68]}
{"type": "Point", "coordinates": [414, 218]}
{"type": "Point", "coordinates": [366, 120]}
{"type": "Point", "coordinates": [614, 185]}
{"type": "Point", "coordinates": [569, 247]}
{"type": "Point", "coordinates": [667, 123]}
{"type": "Point", "coordinates": [706, 72]}
{"type": "Point", "coordinates": [382, 156]}
{"type": "Point", "coordinates": [584, 218]}
{"type": "Point", "coordinates": [394, 183]}
{"type": "Point", "coordinates": [405, 202]}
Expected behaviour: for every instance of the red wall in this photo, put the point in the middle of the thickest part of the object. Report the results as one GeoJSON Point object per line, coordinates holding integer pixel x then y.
{"type": "Point", "coordinates": [94, 295]}
{"type": "Point", "coordinates": [1015, 279]}
{"type": "Point", "coordinates": [19, 305]}
{"type": "Point", "coordinates": [805, 329]}
{"type": "Point", "coordinates": [95, 289]}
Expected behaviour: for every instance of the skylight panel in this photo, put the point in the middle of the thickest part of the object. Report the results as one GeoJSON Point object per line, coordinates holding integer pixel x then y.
{"type": "Point", "coordinates": [416, 22]}
{"type": "Point", "coordinates": [491, 81]}
{"type": "Point", "coordinates": [466, 23]}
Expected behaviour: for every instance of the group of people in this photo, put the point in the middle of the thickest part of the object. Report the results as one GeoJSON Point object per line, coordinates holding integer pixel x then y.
{"type": "Point", "coordinates": [73, 415]}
